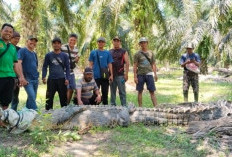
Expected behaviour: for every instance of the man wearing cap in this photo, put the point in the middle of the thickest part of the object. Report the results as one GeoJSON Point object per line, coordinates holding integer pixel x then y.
{"type": "Point", "coordinates": [73, 56]}
{"type": "Point", "coordinates": [59, 73]}
{"type": "Point", "coordinates": [101, 62]}
{"type": "Point", "coordinates": [8, 66]}
{"type": "Point", "coordinates": [28, 59]}
{"type": "Point", "coordinates": [144, 68]}
{"type": "Point", "coordinates": [15, 100]}
{"type": "Point", "coordinates": [120, 70]}
{"type": "Point", "coordinates": [87, 89]}
{"type": "Point", "coordinates": [189, 61]}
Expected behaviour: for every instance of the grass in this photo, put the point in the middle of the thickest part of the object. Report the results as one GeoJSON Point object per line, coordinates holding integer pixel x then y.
{"type": "Point", "coordinates": [135, 140]}
{"type": "Point", "coordinates": [169, 90]}
{"type": "Point", "coordinates": [140, 140]}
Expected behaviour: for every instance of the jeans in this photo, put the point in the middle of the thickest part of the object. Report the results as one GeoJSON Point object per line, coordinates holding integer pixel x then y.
{"type": "Point", "coordinates": [104, 85]}
{"type": "Point", "coordinates": [31, 90]}
{"type": "Point", "coordinates": [120, 83]}
{"type": "Point", "coordinates": [72, 82]}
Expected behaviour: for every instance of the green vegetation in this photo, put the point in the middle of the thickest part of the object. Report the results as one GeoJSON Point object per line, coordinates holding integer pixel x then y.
{"type": "Point", "coordinates": [169, 25]}
{"type": "Point", "coordinates": [135, 140]}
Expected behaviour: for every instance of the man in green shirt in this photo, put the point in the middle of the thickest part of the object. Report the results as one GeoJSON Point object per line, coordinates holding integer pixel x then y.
{"type": "Point", "coordinates": [144, 68]}
{"type": "Point", "coordinates": [8, 66]}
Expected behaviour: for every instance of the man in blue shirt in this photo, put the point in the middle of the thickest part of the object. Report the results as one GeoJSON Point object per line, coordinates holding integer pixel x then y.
{"type": "Point", "coordinates": [101, 62]}
{"type": "Point", "coordinates": [190, 61]}
{"type": "Point", "coordinates": [59, 74]}
{"type": "Point", "coordinates": [28, 59]}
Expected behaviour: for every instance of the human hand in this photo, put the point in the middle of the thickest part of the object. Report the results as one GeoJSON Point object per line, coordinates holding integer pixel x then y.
{"type": "Point", "coordinates": [22, 82]}
{"type": "Point", "coordinates": [156, 78]}
{"type": "Point", "coordinates": [44, 81]}
{"type": "Point", "coordinates": [126, 77]}
{"type": "Point", "coordinates": [66, 82]}
{"type": "Point", "coordinates": [136, 80]}
{"type": "Point", "coordinates": [98, 99]}
{"type": "Point", "coordinates": [76, 59]}
{"type": "Point", "coordinates": [111, 78]}
{"type": "Point", "coordinates": [188, 61]}
{"type": "Point", "coordinates": [80, 102]}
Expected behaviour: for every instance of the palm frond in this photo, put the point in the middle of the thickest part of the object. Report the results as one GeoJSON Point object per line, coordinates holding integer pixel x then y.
{"type": "Point", "coordinates": [225, 40]}
{"type": "Point", "coordinates": [176, 5]}
{"type": "Point", "coordinates": [6, 12]}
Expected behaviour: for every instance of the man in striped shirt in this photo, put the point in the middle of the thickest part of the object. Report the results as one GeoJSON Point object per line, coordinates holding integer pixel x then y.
{"type": "Point", "coordinates": [74, 56]}
{"type": "Point", "coordinates": [87, 89]}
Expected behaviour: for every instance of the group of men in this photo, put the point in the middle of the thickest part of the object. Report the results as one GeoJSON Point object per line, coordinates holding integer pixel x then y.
{"type": "Point", "coordinates": [107, 68]}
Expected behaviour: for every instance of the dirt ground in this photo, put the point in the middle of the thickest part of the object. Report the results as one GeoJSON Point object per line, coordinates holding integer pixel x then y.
{"type": "Point", "coordinates": [90, 144]}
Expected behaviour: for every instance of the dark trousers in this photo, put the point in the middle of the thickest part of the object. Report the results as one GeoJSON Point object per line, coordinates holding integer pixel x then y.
{"type": "Point", "coordinates": [6, 90]}
{"type": "Point", "coordinates": [15, 99]}
{"type": "Point", "coordinates": [54, 85]}
{"type": "Point", "coordinates": [103, 84]}
{"type": "Point", "coordinates": [90, 101]}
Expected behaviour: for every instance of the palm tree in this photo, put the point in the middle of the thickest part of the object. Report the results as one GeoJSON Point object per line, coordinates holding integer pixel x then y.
{"type": "Point", "coordinates": [6, 13]}
{"type": "Point", "coordinates": [198, 23]}
{"type": "Point", "coordinates": [29, 16]}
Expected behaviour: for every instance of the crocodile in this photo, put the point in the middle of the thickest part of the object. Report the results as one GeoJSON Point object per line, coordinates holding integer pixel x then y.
{"type": "Point", "coordinates": [72, 116]}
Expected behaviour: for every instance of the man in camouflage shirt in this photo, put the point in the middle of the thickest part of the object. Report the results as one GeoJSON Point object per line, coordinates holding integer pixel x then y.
{"type": "Point", "coordinates": [144, 68]}
{"type": "Point", "coordinates": [190, 77]}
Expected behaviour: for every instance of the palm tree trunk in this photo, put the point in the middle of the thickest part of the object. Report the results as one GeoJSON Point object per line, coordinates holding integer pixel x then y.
{"type": "Point", "coordinates": [204, 66]}
{"type": "Point", "coordinates": [29, 15]}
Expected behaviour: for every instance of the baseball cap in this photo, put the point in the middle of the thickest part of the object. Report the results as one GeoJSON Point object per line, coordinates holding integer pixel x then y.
{"type": "Point", "coordinates": [32, 37]}
{"type": "Point", "coordinates": [190, 46]}
{"type": "Point", "coordinates": [56, 39]}
{"type": "Point", "coordinates": [143, 39]}
{"type": "Point", "coordinates": [101, 39]}
{"type": "Point", "coordinates": [88, 70]}
{"type": "Point", "coordinates": [116, 38]}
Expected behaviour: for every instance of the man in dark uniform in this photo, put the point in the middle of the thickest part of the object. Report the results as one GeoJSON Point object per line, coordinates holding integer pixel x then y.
{"type": "Point", "coordinates": [190, 61]}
